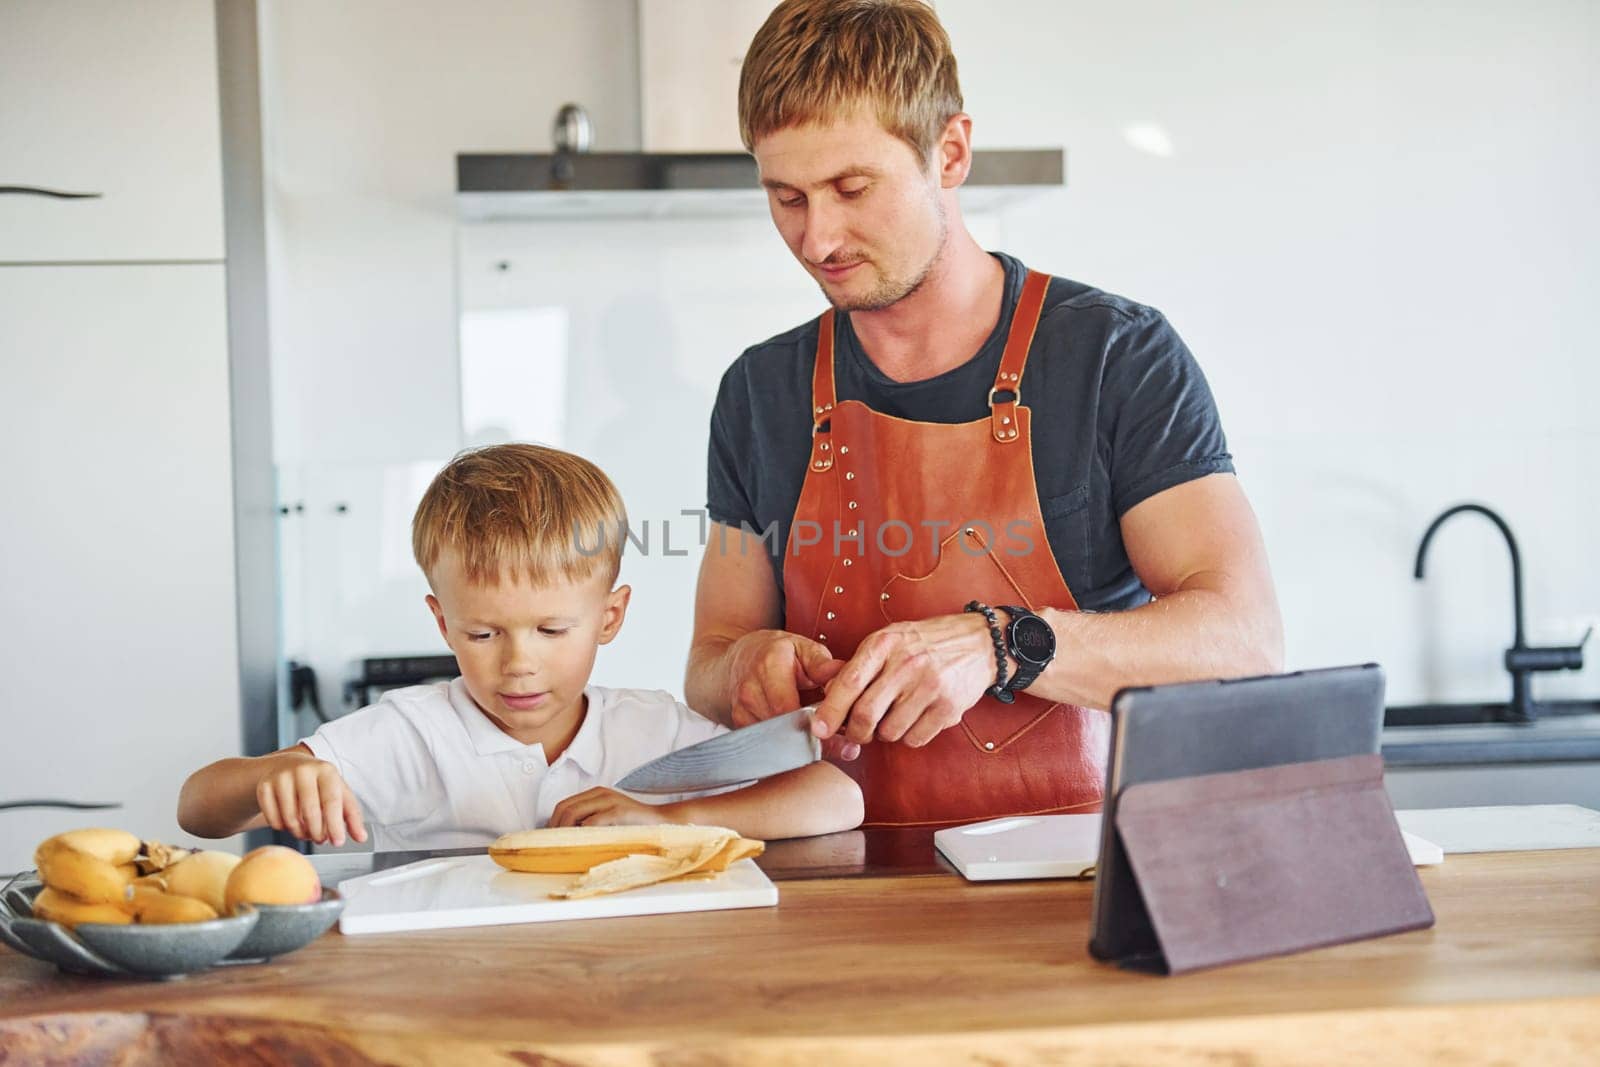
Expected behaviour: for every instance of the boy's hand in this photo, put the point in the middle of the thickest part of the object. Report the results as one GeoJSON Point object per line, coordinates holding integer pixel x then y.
{"type": "Point", "coordinates": [308, 799]}
{"type": "Point", "coordinates": [607, 807]}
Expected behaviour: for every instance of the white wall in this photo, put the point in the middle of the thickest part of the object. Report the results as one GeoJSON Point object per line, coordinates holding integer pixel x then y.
{"type": "Point", "coordinates": [1378, 230]}
{"type": "Point", "coordinates": [1376, 227]}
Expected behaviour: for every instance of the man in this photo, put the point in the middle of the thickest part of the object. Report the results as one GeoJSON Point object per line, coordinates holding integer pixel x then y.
{"type": "Point", "coordinates": [971, 501]}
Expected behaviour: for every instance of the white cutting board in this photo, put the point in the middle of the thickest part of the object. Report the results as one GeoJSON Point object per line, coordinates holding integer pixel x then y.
{"type": "Point", "coordinates": [1511, 828]}
{"type": "Point", "coordinates": [1057, 846]}
{"type": "Point", "coordinates": [476, 891]}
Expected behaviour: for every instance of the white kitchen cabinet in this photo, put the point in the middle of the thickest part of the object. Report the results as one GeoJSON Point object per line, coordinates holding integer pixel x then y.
{"type": "Point", "coordinates": [690, 52]}
{"type": "Point", "coordinates": [120, 99]}
{"type": "Point", "coordinates": [118, 659]}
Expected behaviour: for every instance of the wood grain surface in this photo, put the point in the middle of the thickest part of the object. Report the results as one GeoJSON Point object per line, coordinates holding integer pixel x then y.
{"type": "Point", "coordinates": [924, 969]}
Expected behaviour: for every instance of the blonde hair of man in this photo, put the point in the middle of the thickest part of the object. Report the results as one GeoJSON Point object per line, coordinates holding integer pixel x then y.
{"type": "Point", "coordinates": [521, 511]}
{"type": "Point", "coordinates": [816, 60]}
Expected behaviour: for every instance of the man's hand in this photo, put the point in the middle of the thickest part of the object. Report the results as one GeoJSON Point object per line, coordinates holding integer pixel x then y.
{"type": "Point", "coordinates": [910, 681]}
{"type": "Point", "coordinates": [767, 669]}
{"type": "Point", "coordinates": [306, 797]}
{"type": "Point", "coordinates": [607, 807]}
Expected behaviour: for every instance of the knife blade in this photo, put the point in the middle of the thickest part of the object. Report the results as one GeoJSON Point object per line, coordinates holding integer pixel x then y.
{"type": "Point", "coordinates": [747, 754]}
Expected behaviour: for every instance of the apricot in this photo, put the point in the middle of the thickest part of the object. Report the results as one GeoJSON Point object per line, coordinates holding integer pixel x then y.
{"type": "Point", "coordinates": [273, 874]}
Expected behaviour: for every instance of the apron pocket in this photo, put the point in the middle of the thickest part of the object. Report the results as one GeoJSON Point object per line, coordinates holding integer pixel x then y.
{"type": "Point", "coordinates": [969, 568]}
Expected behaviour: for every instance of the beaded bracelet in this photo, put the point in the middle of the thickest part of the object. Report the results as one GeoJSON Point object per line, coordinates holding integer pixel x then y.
{"type": "Point", "coordinates": [998, 690]}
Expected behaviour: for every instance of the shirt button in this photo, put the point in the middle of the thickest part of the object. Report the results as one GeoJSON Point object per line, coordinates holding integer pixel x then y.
{"type": "Point", "coordinates": [530, 767]}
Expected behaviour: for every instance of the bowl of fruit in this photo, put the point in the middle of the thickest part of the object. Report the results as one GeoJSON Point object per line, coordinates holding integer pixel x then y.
{"type": "Point", "coordinates": [105, 902]}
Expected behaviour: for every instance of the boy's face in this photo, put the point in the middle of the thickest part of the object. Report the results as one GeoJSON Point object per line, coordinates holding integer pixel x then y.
{"type": "Point", "coordinates": [526, 651]}
{"type": "Point", "coordinates": [856, 207]}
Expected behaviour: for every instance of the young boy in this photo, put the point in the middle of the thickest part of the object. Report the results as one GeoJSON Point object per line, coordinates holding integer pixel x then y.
{"type": "Point", "coordinates": [521, 546]}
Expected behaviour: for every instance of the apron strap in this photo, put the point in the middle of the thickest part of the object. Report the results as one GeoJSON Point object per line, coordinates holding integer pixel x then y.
{"type": "Point", "coordinates": [822, 397]}
{"type": "Point", "coordinates": [1006, 392]}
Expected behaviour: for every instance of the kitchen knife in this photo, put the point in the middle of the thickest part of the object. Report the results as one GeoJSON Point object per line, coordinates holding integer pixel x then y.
{"type": "Point", "coordinates": [743, 755]}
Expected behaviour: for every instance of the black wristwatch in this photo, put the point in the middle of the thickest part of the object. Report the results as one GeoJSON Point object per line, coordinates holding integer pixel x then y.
{"type": "Point", "coordinates": [1031, 642]}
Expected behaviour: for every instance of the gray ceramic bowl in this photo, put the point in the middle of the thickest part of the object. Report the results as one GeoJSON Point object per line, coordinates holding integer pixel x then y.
{"type": "Point", "coordinates": [166, 951]}
{"type": "Point", "coordinates": [283, 928]}
{"type": "Point", "coordinates": [97, 948]}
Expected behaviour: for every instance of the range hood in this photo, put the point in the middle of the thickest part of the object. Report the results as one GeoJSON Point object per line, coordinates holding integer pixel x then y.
{"type": "Point", "coordinates": [571, 185]}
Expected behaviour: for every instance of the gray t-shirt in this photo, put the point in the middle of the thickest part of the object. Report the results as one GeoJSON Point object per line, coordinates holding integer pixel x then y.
{"type": "Point", "coordinates": [1121, 411]}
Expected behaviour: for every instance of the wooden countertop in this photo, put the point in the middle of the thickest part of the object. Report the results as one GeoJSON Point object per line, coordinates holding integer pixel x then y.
{"type": "Point", "coordinates": [918, 968]}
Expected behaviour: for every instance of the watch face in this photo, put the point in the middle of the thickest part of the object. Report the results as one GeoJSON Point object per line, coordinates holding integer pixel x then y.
{"type": "Point", "coordinates": [1032, 641]}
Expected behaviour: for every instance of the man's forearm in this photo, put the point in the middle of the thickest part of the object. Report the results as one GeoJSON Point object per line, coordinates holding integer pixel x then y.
{"type": "Point", "coordinates": [705, 684]}
{"type": "Point", "coordinates": [1189, 635]}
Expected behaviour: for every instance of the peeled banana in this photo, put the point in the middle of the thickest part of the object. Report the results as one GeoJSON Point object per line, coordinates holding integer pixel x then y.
{"type": "Point", "coordinates": [575, 849]}
{"type": "Point", "coordinates": [615, 858]}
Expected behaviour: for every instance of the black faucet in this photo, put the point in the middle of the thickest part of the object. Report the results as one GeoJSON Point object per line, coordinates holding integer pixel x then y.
{"type": "Point", "coordinates": [1521, 660]}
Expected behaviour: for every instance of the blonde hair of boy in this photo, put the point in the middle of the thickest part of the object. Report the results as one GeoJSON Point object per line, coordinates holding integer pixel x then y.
{"type": "Point", "coordinates": [817, 60]}
{"type": "Point", "coordinates": [520, 510]}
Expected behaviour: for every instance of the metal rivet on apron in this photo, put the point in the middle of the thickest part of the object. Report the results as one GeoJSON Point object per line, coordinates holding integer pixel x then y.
{"type": "Point", "coordinates": [844, 450]}
{"type": "Point", "coordinates": [852, 505]}
{"type": "Point", "coordinates": [822, 637]}
{"type": "Point", "coordinates": [825, 446]}
{"type": "Point", "coordinates": [1005, 421]}
{"type": "Point", "coordinates": [830, 616]}
{"type": "Point", "coordinates": [848, 562]}
{"type": "Point", "coordinates": [838, 589]}
{"type": "Point", "coordinates": [969, 531]}
{"type": "Point", "coordinates": [849, 476]}
{"type": "Point", "coordinates": [819, 409]}
{"type": "Point", "coordinates": [883, 596]}
{"type": "Point", "coordinates": [820, 465]}
{"type": "Point", "coordinates": [989, 745]}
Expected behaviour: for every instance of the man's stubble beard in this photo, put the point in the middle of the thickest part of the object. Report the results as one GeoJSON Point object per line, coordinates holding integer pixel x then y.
{"type": "Point", "coordinates": [891, 291]}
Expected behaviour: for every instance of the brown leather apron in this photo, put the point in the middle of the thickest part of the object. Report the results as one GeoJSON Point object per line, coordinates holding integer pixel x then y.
{"type": "Point", "coordinates": [901, 520]}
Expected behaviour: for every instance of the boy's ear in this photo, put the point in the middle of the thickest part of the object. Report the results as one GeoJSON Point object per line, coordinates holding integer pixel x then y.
{"type": "Point", "coordinates": [438, 616]}
{"type": "Point", "coordinates": [616, 607]}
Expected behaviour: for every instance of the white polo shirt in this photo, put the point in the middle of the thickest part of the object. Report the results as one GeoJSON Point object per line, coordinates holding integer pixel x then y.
{"type": "Point", "coordinates": [432, 771]}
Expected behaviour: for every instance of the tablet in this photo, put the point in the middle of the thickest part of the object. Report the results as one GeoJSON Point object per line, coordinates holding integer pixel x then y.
{"type": "Point", "coordinates": [1176, 731]}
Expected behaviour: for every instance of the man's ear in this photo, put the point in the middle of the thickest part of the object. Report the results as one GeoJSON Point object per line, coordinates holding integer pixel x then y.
{"type": "Point", "coordinates": [438, 617]}
{"type": "Point", "coordinates": [611, 618]}
{"type": "Point", "coordinates": [953, 151]}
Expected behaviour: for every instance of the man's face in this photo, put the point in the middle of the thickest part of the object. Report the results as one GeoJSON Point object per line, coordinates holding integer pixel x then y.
{"type": "Point", "coordinates": [525, 651]}
{"type": "Point", "coordinates": [857, 207]}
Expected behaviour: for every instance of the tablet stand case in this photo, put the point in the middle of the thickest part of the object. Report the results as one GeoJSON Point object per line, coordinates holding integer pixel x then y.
{"type": "Point", "coordinates": [1249, 864]}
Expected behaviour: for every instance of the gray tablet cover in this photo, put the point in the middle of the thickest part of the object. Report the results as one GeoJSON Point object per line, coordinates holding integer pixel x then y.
{"type": "Point", "coordinates": [1176, 731]}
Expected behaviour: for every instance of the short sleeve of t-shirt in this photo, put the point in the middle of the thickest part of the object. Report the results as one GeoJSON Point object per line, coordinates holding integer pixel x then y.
{"type": "Point", "coordinates": [383, 759]}
{"type": "Point", "coordinates": [726, 500]}
{"type": "Point", "coordinates": [1161, 427]}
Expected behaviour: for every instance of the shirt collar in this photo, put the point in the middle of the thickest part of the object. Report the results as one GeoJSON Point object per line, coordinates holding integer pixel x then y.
{"type": "Point", "coordinates": [488, 739]}
{"type": "Point", "coordinates": [587, 749]}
